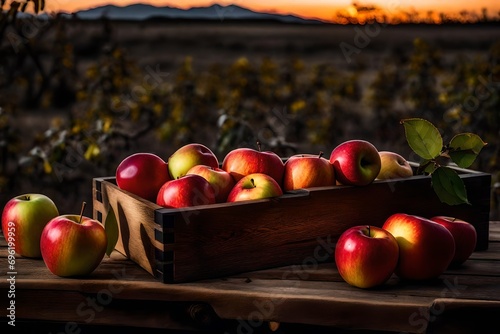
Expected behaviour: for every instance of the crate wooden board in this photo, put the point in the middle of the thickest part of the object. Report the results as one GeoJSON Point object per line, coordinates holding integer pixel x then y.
{"type": "Point", "coordinates": [181, 245]}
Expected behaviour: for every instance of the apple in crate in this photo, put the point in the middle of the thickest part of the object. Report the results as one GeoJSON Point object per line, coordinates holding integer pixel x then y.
{"type": "Point", "coordinates": [307, 171]}
{"type": "Point", "coordinates": [366, 256]}
{"type": "Point", "coordinates": [393, 166]}
{"type": "Point", "coordinates": [464, 234]}
{"type": "Point", "coordinates": [241, 162]}
{"type": "Point", "coordinates": [23, 220]}
{"type": "Point", "coordinates": [189, 156]}
{"type": "Point", "coordinates": [73, 245]}
{"type": "Point", "coordinates": [254, 186]}
{"type": "Point", "coordinates": [426, 248]}
{"type": "Point", "coordinates": [186, 191]}
{"type": "Point", "coordinates": [142, 174]}
{"type": "Point", "coordinates": [219, 179]}
{"type": "Point", "coordinates": [356, 162]}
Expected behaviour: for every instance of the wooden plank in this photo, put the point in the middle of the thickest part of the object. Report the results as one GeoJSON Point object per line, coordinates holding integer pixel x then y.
{"type": "Point", "coordinates": [135, 218]}
{"type": "Point", "coordinates": [216, 240]}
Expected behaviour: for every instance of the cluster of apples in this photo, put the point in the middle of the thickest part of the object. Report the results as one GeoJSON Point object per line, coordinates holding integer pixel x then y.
{"type": "Point", "coordinates": [70, 244]}
{"type": "Point", "coordinates": [193, 176]}
{"type": "Point", "coordinates": [412, 247]}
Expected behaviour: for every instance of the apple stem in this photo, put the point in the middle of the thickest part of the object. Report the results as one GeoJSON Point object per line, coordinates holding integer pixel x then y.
{"type": "Point", "coordinates": [26, 198]}
{"type": "Point", "coordinates": [368, 230]}
{"type": "Point", "coordinates": [259, 145]}
{"type": "Point", "coordinates": [320, 154]}
{"type": "Point", "coordinates": [84, 204]}
{"type": "Point", "coordinates": [253, 182]}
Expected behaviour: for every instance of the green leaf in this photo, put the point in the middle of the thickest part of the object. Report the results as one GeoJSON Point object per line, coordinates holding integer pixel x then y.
{"type": "Point", "coordinates": [464, 149]}
{"type": "Point", "coordinates": [449, 186]}
{"type": "Point", "coordinates": [111, 227]}
{"type": "Point", "coordinates": [423, 137]}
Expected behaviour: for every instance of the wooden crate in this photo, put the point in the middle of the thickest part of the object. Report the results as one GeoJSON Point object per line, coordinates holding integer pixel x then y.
{"type": "Point", "coordinates": [181, 245]}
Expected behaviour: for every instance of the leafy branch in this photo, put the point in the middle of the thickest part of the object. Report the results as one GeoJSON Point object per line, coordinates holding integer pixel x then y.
{"type": "Point", "coordinates": [426, 141]}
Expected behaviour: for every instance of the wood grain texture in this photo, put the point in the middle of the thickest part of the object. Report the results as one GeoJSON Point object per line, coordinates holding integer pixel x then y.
{"type": "Point", "coordinates": [301, 227]}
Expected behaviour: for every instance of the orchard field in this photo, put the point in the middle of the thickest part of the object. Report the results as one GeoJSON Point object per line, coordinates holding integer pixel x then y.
{"type": "Point", "coordinates": [77, 97]}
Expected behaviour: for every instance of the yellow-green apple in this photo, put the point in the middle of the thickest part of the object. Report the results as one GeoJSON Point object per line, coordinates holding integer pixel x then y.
{"type": "Point", "coordinates": [23, 220]}
{"type": "Point", "coordinates": [254, 186]}
{"type": "Point", "coordinates": [188, 156]}
{"type": "Point", "coordinates": [188, 190]}
{"type": "Point", "coordinates": [241, 162]}
{"type": "Point", "coordinates": [142, 174]}
{"type": "Point", "coordinates": [464, 234]}
{"type": "Point", "coordinates": [219, 179]}
{"type": "Point", "coordinates": [73, 245]}
{"type": "Point", "coordinates": [366, 256]}
{"type": "Point", "coordinates": [393, 166]}
{"type": "Point", "coordinates": [307, 171]}
{"type": "Point", "coordinates": [356, 162]}
{"type": "Point", "coordinates": [426, 248]}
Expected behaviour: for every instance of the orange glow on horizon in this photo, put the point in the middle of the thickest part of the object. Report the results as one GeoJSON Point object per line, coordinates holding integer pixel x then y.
{"type": "Point", "coordinates": [322, 9]}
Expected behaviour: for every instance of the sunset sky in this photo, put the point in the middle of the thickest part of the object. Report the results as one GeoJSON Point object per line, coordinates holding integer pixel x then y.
{"type": "Point", "coordinates": [324, 9]}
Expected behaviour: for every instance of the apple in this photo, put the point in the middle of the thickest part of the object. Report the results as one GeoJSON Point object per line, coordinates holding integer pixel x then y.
{"type": "Point", "coordinates": [73, 245]}
{"type": "Point", "coordinates": [219, 179]}
{"type": "Point", "coordinates": [188, 190]}
{"type": "Point", "coordinates": [356, 162]}
{"type": "Point", "coordinates": [464, 234]}
{"type": "Point", "coordinates": [241, 162]}
{"type": "Point", "coordinates": [23, 220]}
{"type": "Point", "coordinates": [393, 166]}
{"type": "Point", "coordinates": [426, 248]}
{"type": "Point", "coordinates": [366, 256]}
{"type": "Point", "coordinates": [188, 156]}
{"type": "Point", "coordinates": [254, 186]}
{"type": "Point", "coordinates": [142, 174]}
{"type": "Point", "coordinates": [307, 171]}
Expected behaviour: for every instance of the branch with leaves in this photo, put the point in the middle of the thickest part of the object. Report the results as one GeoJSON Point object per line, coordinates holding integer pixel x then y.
{"type": "Point", "coordinates": [426, 141]}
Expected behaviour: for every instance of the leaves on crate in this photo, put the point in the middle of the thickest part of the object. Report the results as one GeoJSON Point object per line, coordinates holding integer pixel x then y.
{"type": "Point", "coordinates": [423, 137]}
{"type": "Point", "coordinates": [464, 148]}
{"type": "Point", "coordinates": [449, 186]}
{"type": "Point", "coordinates": [111, 227]}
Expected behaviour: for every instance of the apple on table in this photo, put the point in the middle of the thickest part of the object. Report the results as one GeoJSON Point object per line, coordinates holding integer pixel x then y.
{"type": "Point", "coordinates": [73, 245]}
{"type": "Point", "coordinates": [307, 171]}
{"type": "Point", "coordinates": [356, 162]}
{"type": "Point", "coordinates": [366, 256]}
{"type": "Point", "coordinates": [426, 248]}
{"type": "Point", "coordinates": [255, 186]}
{"type": "Point", "coordinates": [23, 220]}
{"type": "Point", "coordinates": [464, 234]}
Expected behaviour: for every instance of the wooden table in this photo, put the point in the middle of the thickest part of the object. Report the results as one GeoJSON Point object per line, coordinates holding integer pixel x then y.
{"type": "Point", "coordinates": [303, 298]}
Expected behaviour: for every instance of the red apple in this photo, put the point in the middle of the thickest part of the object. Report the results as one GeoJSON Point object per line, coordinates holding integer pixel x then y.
{"type": "Point", "coordinates": [393, 166]}
{"type": "Point", "coordinates": [356, 162]}
{"type": "Point", "coordinates": [23, 220]}
{"type": "Point", "coordinates": [189, 190]}
{"type": "Point", "coordinates": [464, 234]}
{"type": "Point", "coordinates": [189, 156]}
{"type": "Point", "coordinates": [219, 179]}
{"type": "Point", "coordinates": [73, 245]}
{"type": "Point", "coordinates": [254, 186]}
{"type": "Point", "coordinates": [426, 248]}
{"type": "Point", "coordinates": [366, 256]}
{"type": "Point", "coordinates": [142, 174]}
{"type": "Point", "coordinates": [307, 171]}
{"type": "Point", "coordinates": [241, 162]}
